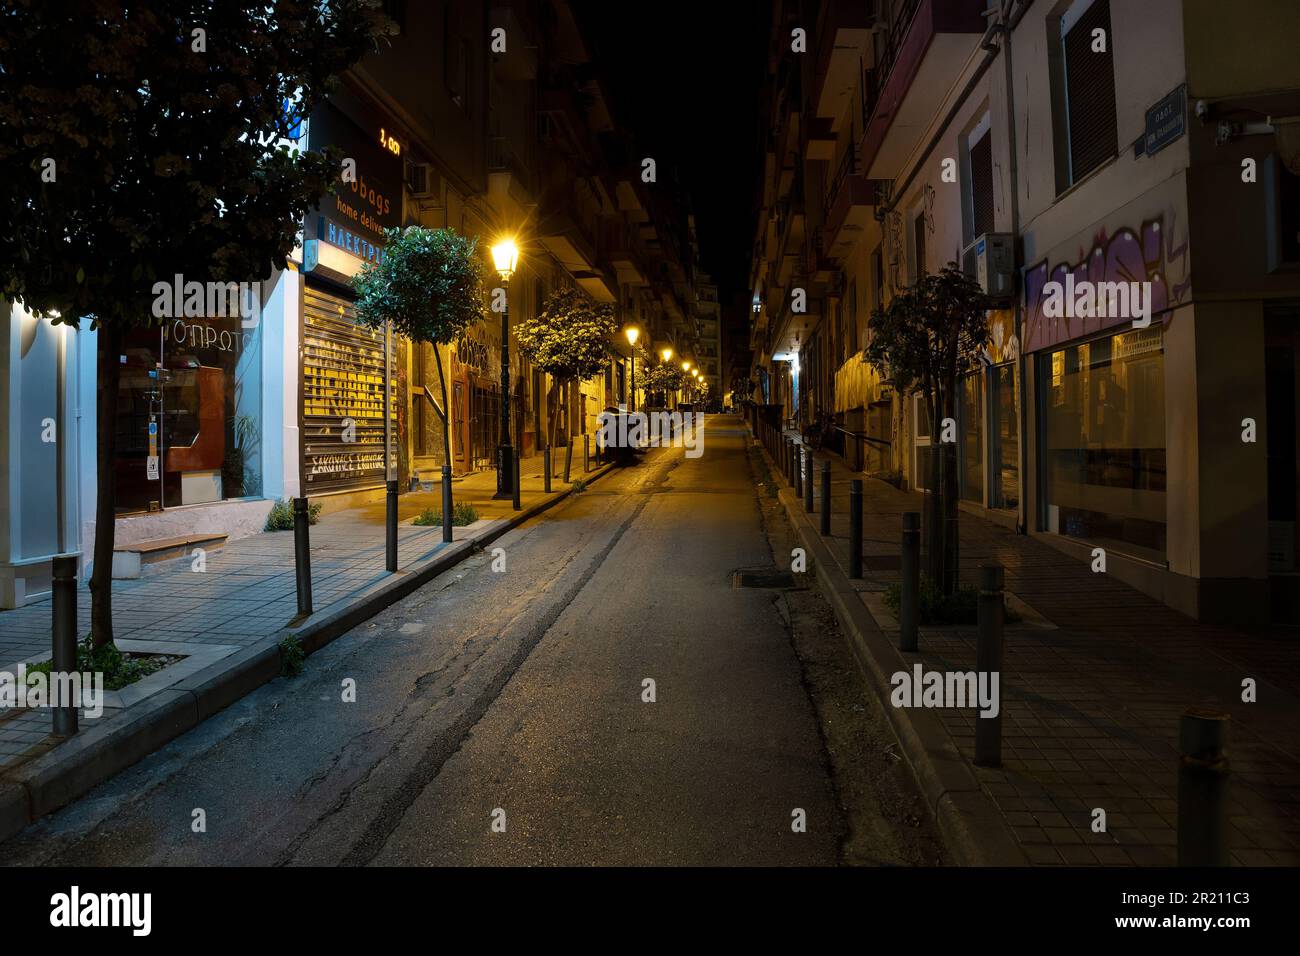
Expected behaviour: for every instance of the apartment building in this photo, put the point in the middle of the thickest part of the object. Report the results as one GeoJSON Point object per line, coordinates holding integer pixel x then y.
{"type": "Point", "coordinates": [1079, 142]}
{"type": "Point", "coordinates": [221, 415]}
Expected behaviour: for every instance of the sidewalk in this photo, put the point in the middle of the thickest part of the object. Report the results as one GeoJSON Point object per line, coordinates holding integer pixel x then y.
{"type": "Point", "coordinates": [1094, 681]}
{"type": "Point", "coordinates": [228, 621]}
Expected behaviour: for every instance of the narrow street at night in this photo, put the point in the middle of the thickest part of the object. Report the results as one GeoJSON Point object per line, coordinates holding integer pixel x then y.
{"type": "Point", "coordinates": [701, 466]}
{"type": "Point", "coordinates": [523, 690]}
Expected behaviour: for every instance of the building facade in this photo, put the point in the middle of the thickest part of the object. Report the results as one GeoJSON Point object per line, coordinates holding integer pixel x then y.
{"type": "Point", "coordinates": [1043, 146]}
{"type": "Point", "coordinates": [223, 414]}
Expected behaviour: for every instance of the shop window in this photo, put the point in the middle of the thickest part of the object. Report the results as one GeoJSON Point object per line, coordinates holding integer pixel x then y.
{"type": "Point", "coordinates": [972, 439]}
{"type": "Point", "coordinates": [1004, 427]}
{"type": "Point", "coordinates": [1103, 422]}
{"type": "Point", "coordinates": [189, 422]}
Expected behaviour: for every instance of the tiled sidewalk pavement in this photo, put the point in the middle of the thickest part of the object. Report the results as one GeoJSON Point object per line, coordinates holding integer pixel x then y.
{"type": "Point", "coordinates": [1091, 707]}
{"type": "Point", "coordinates": [248, 591]}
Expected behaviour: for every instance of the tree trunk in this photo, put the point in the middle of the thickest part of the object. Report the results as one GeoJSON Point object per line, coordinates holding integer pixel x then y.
{"type": "Point", "coordinates": [101, 578]}
{"type": "Point", "coordinates": [948, 583]}
{"type": "Point", "coordinates": [933, 513]}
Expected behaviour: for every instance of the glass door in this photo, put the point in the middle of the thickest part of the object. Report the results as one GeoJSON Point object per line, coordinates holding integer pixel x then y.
{"type": "Point", "coordinates": [138, 425]}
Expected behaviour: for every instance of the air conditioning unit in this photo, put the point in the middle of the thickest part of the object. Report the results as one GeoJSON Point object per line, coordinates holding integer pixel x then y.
{"type": "Point", "coordinates": [991, 261]}
{"type": "Point", "coordinates": [422, 180]}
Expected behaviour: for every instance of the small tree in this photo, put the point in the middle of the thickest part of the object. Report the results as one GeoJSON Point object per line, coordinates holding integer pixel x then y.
{"type": "Point", "coordinates": [569, 341]}
{"type": "Point", "coordinates": [663, 378]}
{"type": "Point", "coordinates": [429, 286]}
{"type": "Point", "coordinates": [143, 139]}
{"type": "Point", "coordinates": [926, 339]}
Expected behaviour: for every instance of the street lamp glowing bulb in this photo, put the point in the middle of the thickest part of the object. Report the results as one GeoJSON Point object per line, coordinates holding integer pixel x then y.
{"type": "Point", "coordinates": [633, 333]}
{"type": "Point", "coordinates": [686, 366]}
{"type": "Point", "coordinates": [667, 354]}
{"type": "Point", "coordinates": [505, 256]}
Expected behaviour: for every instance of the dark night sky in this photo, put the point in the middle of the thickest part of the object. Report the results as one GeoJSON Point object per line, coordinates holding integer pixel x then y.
{"type": "Point", "coordinates": [685, 79]}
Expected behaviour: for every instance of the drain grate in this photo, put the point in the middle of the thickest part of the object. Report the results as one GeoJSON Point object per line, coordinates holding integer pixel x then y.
{"type": "Point", "coordinates": [762, 579]}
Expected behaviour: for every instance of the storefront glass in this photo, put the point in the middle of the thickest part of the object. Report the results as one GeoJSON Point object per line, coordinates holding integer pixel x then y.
{"type": "Point", "coordinates": [1004, 469]}
{"type": "Point", "coordinates": [189, 424]}
{"type": "Point", "coordinates": [1104, 441]}
{"type": "Point", "coordinates": [972, 439]}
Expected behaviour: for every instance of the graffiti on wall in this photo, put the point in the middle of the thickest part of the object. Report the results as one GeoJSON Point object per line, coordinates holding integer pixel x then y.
{"type": "Point", "coordinates": [1151, 254]}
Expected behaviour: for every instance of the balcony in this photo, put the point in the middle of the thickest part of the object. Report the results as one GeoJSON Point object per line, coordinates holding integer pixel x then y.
{"type": "Point", "coordinates": [621, 248]}
{"type": "Point", "coordinates": [924, 54]}
{"type": "Point", "coordinates": [849, 204]}
{"type": "Point", "coordinates": [845, 41]}
{"type": "Point", "coordinates": [510, 183]}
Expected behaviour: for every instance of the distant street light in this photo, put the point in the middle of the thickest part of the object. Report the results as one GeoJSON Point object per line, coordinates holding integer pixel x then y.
{"type": "Point", "coordinates": [633, 333]}
{"type": "Point", "coordinates": [686, 366]}
{"type": "Point", "coordinates": [505, 258]}
{"type": "Point", "coordinates": [667, 353]}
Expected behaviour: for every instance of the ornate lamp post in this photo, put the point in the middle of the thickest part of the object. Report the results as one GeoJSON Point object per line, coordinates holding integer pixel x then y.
{"type": "Point", "coordinates": [505, 257]}
{"type": "Point", "coordinates": [633, 333]}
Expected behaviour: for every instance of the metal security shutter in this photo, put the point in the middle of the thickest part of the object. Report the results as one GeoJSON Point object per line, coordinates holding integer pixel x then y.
{"type": "Point", "coordinates": [981, 182]}
{"type": "Point", "coordinates": [1090, 93]}
{"type": "Point", "coordinates": [342, 385]}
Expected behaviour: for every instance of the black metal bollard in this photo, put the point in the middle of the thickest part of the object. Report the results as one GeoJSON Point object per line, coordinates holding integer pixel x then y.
{"type": "Point", "coordinates": [855, 528]}
{"type": "Point", "coordinates": [546, 468]}
{"type": "Point", "coordinates": [446, 503]}
{"type": "Point", "coordinates": [390, 529]}
{"type": "Point", "coordinates": [1203, 788]}
{"type": "Point", "coordinates": [514, 494]}
{"type": "Point", "coordinates": [586, 454]}
{"type": "Point", "coordinates": [64, 631]}
{"type": "Point", "coordinates": [988, 660]}
{"type": "Point", "coordinates": [909, 617]}
{"type": "Point", "coordinates": [302, 553]}
{"type": "Point", "coordinates": [807, 480]}
{"type": "Point", "coordinates": [796, 468]}
{"type": "Point", "coordinates": [826, 498]}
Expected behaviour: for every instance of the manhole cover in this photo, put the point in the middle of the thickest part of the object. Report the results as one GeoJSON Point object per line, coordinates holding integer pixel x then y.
{"type": "Point", "coordinates": [762, 579]}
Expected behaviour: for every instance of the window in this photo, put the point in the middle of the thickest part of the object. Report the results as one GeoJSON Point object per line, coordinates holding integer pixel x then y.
{"type": "Point", "coordinates": [1086, 81]}
{"type": "Point", "coordinates": [455, 59]}
{"type": "Point", "coordinates": [980, 157]}
{"type": "Point", "coordinates": [971, 476]}
{"type": "Point", "coordinates": [1104, 441]}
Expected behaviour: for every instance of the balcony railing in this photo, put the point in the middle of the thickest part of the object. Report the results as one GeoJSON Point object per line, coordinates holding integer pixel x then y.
{"type": "Point", "coordinates": [879, 76]}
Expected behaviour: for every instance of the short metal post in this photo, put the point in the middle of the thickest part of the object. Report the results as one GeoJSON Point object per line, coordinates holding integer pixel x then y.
{"type": "Point", "coordinates": [514, 495]}
{"type": "Point", "coordinates": [796, 468]}
{"type": "Point", "coordinates": [988, 665]}
{"type": "Point", "coordinates": [1203, 788]}
{"type": "Point", "coordinates": [302, 553]}
{"type": "Point", "coordinates": [855, 528]}
{"type": "Point", "coordinates": [586, 454]}
{"type": "Point", "coordinates": [909, 617]}
{"type": "Point", "coordinates": [390, 528]}
{"type": "Point", "coordinates": [807, 480]}
{"type": "Point", "coordinates": [826, 498]}
{"type": "Point", "coordinates": [546, 468]}
{"type": "Point", "coordinates": [64, 658]}
{"type": "Point", "coordinates": [446, 503]}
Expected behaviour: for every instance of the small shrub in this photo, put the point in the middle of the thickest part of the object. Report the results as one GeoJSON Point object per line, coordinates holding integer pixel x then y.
{"type": "Point", "coordinates": [937, 608]}
{"type": "Point", "coordinates": [579, 485]}
{"type": "Point", "coordinates": [292, 657]}
{"type": "Point", "coordinates": [280, 517]}
{"type": "Point", "coordinates": [462, 513]}
{"type": "Point", "coordinates": [118, 669]}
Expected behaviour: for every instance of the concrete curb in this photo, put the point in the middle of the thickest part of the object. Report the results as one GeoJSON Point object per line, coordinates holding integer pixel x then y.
{"type": "Point", "coordinates": [973, 828]}
{"type": "Point", "coordinates": [53, 780]}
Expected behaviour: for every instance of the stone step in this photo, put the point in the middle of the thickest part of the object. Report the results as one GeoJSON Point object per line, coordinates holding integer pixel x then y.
{"type": "Point", "coordinates": [130, 560]}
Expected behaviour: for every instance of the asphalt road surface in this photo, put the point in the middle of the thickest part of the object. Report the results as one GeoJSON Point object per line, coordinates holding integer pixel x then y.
{"type": "Point", "coordinates": [507, 716]}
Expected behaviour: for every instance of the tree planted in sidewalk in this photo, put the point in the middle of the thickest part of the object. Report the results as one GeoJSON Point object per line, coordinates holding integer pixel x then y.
{"type": "Point", "coordinates": [662, 379]}
{"type": "Point", "coordinates": [927, 339]}
{"type": "Point", "coordinates": [569, 341]}
{"type": "Point", "coordinates": [147, 139]}
{"type": "Point", "coordinates": [429, 287]}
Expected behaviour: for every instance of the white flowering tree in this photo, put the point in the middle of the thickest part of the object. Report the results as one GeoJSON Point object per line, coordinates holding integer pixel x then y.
{"type": "Point", "coordinates": [569, 341]}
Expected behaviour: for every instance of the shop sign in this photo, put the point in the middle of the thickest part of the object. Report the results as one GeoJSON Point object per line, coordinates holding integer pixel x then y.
{"type": "Point", "coordinates": [370, 201]}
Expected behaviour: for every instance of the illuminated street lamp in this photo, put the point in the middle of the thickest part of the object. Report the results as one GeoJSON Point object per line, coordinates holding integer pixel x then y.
{"type": "Point", "coordinates": [633, 333]}
{"type": "Point", "coordinates": [667, 353]}
{"type": "Point", "coordinates": [505, 258]}
{"type": "Point", "coordinates": [686, 366]}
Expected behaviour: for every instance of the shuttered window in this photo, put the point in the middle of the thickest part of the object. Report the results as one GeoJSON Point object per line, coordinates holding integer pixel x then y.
{"type": "Point", "coordinates": [981, 185]}
{"type": "Point", "coordinates": [1090, 92]}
